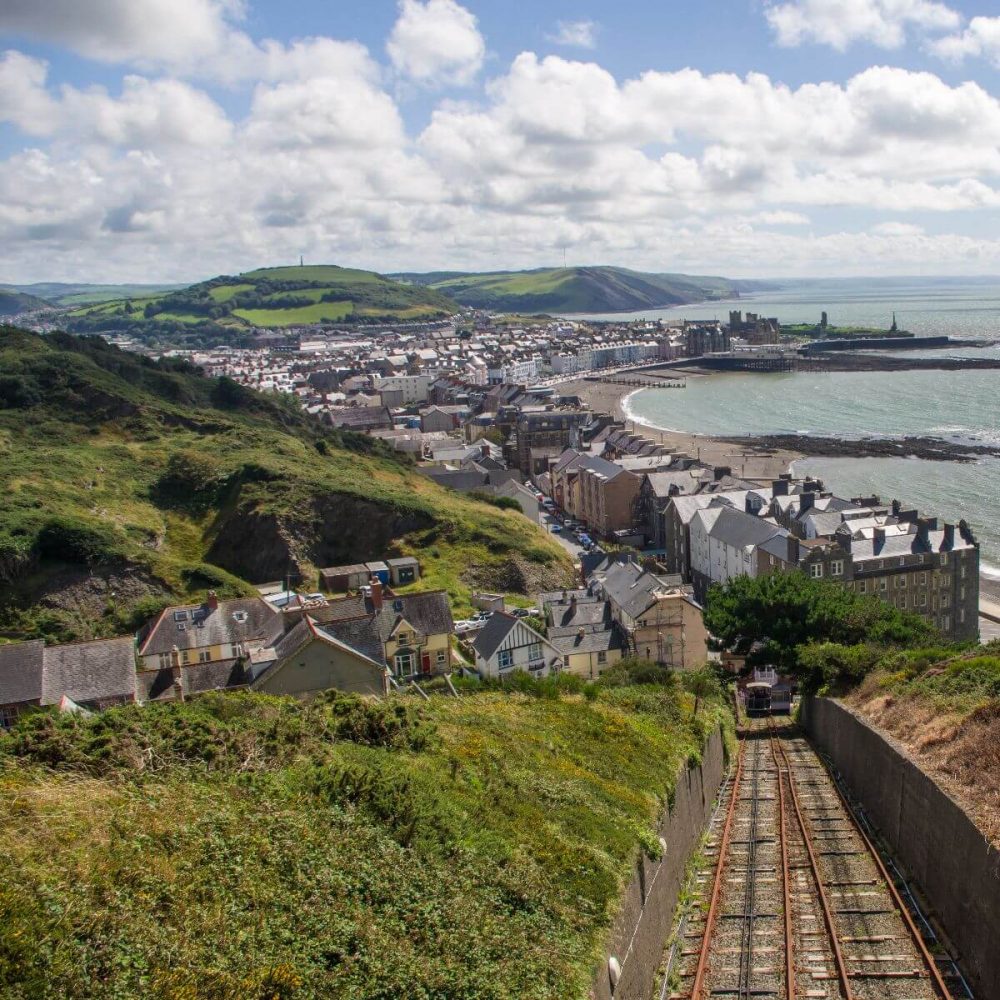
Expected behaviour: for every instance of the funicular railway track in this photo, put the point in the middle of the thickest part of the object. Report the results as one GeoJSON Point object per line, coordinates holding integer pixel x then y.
{"type": "Point", "coordinates": [798, 904]}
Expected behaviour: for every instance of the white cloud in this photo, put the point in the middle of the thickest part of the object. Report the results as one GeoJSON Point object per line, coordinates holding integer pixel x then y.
{"type": "Point", "coordinates": [436, 43]}
{"type": "Point", "coordinates": [160, 32]}
{"type": "Point", "coordinates": [575, 34]}
{"type": "Point", "coordinates": [151, 177]}
{"type": "Point", "coordinates": [838, 23]}
{"type": "Point", "coordinates": [980, 38]}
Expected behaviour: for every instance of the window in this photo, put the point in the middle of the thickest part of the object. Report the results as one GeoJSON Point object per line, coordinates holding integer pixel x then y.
{"type": "Point", "coordinates": [8, 716]}
{"type": "Point", "coordinates": [962, 570]}
{"type": "Point", "coordinates": [180, 616]}
{"type": "Point", "coordinates": [602, 657]}
{"type": "Point", "coordinates": [862, 586]}
{"type": "Point", "coordinates": [961, 615]}
{"type": "Point", "coordinates": [923, 600]}
{"type": "Point", "coordinates": [923, 579]}
{"type": "Point", "coordinates": [535, 651]}
{"type": "Point", "coordinates": [402, 638]}
{"type": "Point", "coordinates": [404, 664]}
{"type": "Point", "coordinates": [816, 570]}
{"type": "Point", "coordinates": [185, 656]}
{"type": "Point", "coordinates": [441, 656]}
{"type": "Point", "coordinates": [883, 584]}
{"type": "Point", "coordinates": [505, 659]}
{"type": "Point", "coordinates": [946, 623]}
{"type": "Point", "coordinates": [204, 656]}
{"type": "Point", "coordinates": [944, 558]}
{"type": "Point", "coordinates": [945, 600]}
{"type": "Point", "coordinates": [837, 567]}
{"type": "Point", "coordinates": [164, 660]}
{"type": "Point", "coordinates": [901, 582]}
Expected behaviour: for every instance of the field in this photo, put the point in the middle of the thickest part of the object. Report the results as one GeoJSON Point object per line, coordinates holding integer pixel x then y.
{"type": "Point", "coordinates": [125, 483]}
{"type": "Point", "coordinates": [244, 846]}
{"type": "Point", "coordinates": [321, 312]}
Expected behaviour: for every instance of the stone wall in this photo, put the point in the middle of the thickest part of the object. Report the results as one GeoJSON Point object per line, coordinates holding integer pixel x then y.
{"type": "Point", "coordinates": [936, 842]}
{"type": "Point", "coordinates": [643, 923]}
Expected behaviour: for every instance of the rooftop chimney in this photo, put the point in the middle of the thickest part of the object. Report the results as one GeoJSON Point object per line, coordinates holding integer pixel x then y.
{"type": "Point", "coordinates": [807, 501]}
{"type": "Point", "coordinates": [878, 538]}
{"type": "Point", "coordinates": [376, 587]}
{"type": "Point", "coordinates": [720, 471]}
{"type": "Point", "coordinates": [213, 601]}
{"type": "Point", "coordinates": [949, 536]}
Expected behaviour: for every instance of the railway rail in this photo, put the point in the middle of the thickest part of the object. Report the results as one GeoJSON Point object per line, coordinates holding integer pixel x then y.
{"type": "Point", "coordinates": [795, 902]}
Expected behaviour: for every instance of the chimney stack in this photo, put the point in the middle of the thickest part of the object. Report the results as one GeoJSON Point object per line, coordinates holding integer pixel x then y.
{"type": "Point", "coordinates": [807, 501]}
{"type": "Point", "coordinates": [879, 538]}
{"type": "Point", "coordinates": [376, 588]}
{"type": "Point", "coordinates": [213, 601]}
{"type": "Point", "coordinates": [779, 487]}
{"type": "Point", "coordinates": [949, 536]}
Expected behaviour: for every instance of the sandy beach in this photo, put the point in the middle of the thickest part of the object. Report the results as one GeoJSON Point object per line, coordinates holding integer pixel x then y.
{"type": "Point", "coordinates": [748, 462]}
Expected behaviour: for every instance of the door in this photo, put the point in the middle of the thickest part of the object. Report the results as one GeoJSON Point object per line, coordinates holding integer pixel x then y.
{"type": "Point", "coordinates": [425, 662]}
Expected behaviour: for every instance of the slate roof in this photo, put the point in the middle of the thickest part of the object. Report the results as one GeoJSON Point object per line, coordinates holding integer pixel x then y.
{"type": "Point", "coordinates": [493, 633]}
{"type": "Point", "coordinates": [21, 672]}
{"type": "Point", "coordinates": [428, 612]}
{"type": "Point", "coordinates": [581, 613]}
{"type": "Point", "coordinates": [403, 561]}
{"type": "Point", "coordinates": [360, 635]}
{"type": "Point", "coordinates": [456, 479]}
{"type": "Point", "coordinates": [633, 589]}
{"type": "Point", "coordinates": [262, 624]}
{"type": "Point", "coordinates": [740, 530]}
{"type": "Point", "coordinates": [353, 570]}
{"type": "Point", "coordinates": [89, 671]}
{"type": "Point", "coordinates": [341, 609]}
{"type": "Point", "coordinates": [662, 482]}
{"type": "Point", "coordinates": [779, 546]}
{"type": "Point", "coordinates": [589, 642]}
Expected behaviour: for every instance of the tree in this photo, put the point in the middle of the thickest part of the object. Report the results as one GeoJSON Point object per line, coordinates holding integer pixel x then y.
{"type": "Point", "coordinates": [703, 684]}
{"type": "Point", "coordinates": [768, 618]}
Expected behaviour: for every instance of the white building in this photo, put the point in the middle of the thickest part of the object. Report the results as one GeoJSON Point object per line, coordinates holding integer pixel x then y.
{"type": "Point", "coordinates": [506, 644]}
{"type": "Point", "coordinates": [724, 544]}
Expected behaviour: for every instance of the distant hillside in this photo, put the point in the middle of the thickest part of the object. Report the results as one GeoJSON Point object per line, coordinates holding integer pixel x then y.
{"type": "Point", "coordinates": [579, 289]}
{"type": "Point", "coordinates": [62, 293]}
{"type": "Point", "coordinates": [229, 309]}
{"type": "Point", "coordinates": [125, 483]}
{"type": "Point", "coordinates": [12, 303]}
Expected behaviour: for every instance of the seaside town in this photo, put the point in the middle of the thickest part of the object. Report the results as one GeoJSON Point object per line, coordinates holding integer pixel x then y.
{"type": "Point", "coordinates": [502, 410]}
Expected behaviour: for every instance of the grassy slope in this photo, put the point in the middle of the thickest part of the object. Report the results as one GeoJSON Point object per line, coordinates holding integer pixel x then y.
{"type": "Point", "coordinates": [946, 710]}
{"type": "Point", "coordinates": [66, 294]}
{"type": "Point", "coordinates": [262, 298]}
{"type": "Point", "coordinates": [581, 289]}
{"type": "Point", "coordinates": [242, 846]}
{"type": "Point", "coordinates": [92, 446]}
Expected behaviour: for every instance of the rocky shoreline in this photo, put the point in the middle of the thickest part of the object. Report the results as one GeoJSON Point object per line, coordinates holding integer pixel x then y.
{"type": "Point", "coordinates": [929, 448]}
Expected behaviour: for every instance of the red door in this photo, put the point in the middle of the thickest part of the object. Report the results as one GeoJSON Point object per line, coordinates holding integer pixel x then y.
{"type": "Point", "coordinates": [425, 663]}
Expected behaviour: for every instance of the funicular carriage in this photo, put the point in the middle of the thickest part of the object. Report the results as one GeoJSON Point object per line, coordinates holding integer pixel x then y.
{"type": "Point", "coordinates": [768, 694]}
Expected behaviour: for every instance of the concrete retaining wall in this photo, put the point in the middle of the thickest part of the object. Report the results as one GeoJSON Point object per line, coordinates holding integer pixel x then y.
{"type": "Point", "coordinates": [958, 872]}
{"type": "Point", "coordinates": [643, 923]}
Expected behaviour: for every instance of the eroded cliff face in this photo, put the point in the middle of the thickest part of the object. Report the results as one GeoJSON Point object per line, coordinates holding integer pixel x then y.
{"type": "Point", "coordinates": [260, 545]}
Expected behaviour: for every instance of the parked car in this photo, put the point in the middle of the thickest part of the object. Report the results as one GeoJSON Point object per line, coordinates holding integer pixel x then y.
{"type": "Point", "coordinates": [481, 616]}
{"type": "Point", "coordinates": [556, 528]}
{"type": "Point", "coordinates": [467, 625]}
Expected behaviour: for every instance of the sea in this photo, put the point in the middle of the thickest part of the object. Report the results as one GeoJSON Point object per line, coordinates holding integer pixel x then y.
{"type": "Point", "coordinates": [959, 406]}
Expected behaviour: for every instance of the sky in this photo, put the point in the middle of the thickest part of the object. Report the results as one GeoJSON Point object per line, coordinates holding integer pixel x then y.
{"type": "Point", "coordinates": [172, 140]}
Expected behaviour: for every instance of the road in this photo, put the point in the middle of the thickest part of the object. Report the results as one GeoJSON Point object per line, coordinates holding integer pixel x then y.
{"type": "Point", "coordinates": [570, 544]}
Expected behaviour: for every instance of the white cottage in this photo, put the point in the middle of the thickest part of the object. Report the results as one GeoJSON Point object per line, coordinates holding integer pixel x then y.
{"type": "Point", "coordinates": [506, 644]}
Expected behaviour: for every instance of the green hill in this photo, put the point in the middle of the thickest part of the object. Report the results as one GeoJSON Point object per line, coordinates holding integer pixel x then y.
{"type": "Point", "coordinates": [62, 293]}
{"type": "Point", "coordinates": [126, 482]}
{"type": "Point", "coordinates": [578, 289]}
{"type": "Point", "coordinates": [229, 309]}
{"type": "Point", "coordinates": [241, 847]}
{"type": "Point", "coordinates": [14, 302]}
